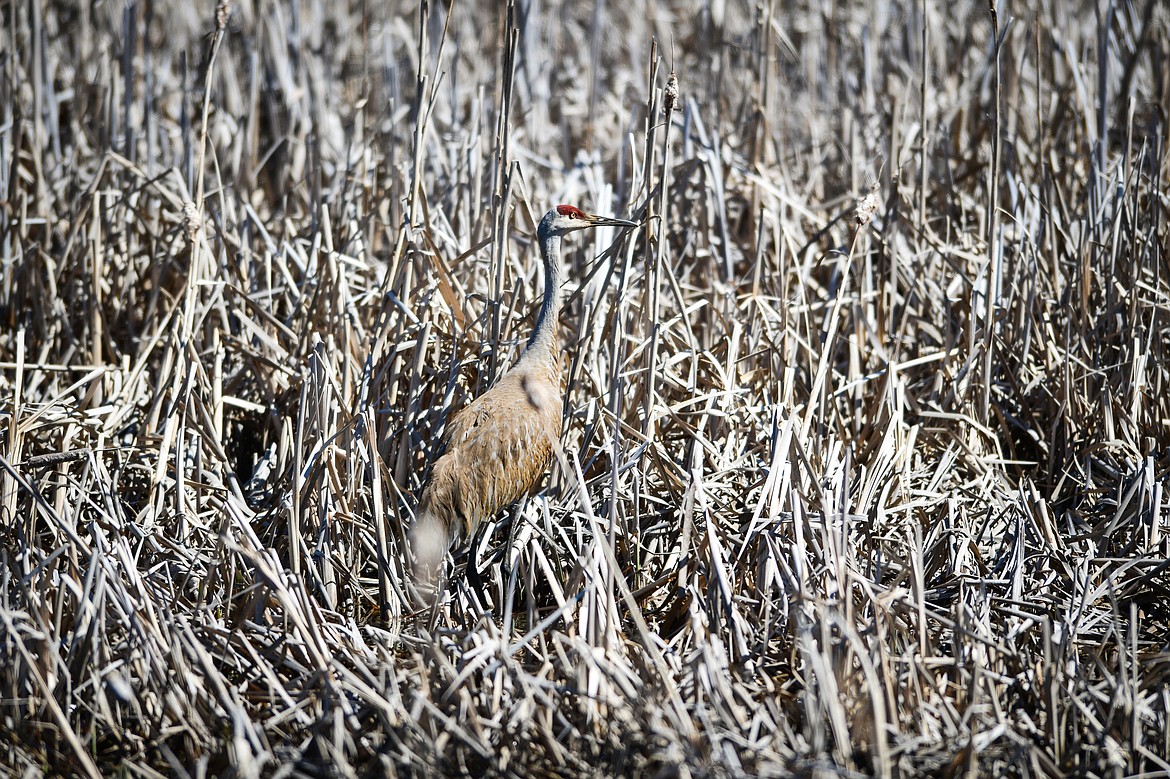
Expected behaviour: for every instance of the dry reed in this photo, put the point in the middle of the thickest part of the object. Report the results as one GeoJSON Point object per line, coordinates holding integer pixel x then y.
{"type": "Point", "coordinates": [865, 453]}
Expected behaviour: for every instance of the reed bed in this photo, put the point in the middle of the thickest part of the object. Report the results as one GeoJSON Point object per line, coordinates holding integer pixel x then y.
{"type": "Point", "coordinates": [865, 451]}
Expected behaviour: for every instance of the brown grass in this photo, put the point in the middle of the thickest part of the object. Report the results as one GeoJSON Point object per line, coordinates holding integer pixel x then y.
{"type": "Point", "coordinates": [834, 498]}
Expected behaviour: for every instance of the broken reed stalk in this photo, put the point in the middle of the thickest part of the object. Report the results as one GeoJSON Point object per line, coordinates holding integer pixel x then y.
{"type": "Point", "coordinates": [502, 185]}
{"type": "Point", "coordinates": [994, 238]}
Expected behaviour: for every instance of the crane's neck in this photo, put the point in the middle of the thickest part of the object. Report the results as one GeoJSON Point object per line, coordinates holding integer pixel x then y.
{"type": "Point", "coordinates": [544, 338]}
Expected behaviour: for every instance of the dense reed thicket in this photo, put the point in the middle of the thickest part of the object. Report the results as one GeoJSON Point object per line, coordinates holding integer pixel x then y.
{"type": "Point", "coordinates": [865, 451]}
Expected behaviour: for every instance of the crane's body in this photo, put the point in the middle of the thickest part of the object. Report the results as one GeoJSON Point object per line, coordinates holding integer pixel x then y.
{"type": "Point", "coordinates": [498, 447]}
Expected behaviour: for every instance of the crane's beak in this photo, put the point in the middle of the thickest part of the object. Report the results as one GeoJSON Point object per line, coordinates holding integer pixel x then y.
{"type": "Point", "coordinates": [606, 221]}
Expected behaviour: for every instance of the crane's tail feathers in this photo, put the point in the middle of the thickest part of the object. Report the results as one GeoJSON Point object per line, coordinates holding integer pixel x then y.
{"type": "Point", "coordinates": [429, 542]}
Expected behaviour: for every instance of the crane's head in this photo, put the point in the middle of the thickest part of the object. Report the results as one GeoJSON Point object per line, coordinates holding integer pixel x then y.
{"type": "Point", "coordinates": [565, 219]}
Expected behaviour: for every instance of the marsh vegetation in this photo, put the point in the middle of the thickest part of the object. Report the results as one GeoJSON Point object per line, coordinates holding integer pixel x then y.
{"type": "Point", "coordinates": [864, 459]}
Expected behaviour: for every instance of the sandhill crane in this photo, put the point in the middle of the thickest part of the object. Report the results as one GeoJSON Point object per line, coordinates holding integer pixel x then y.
{"type": "Point", "coordinates": [497, 448]}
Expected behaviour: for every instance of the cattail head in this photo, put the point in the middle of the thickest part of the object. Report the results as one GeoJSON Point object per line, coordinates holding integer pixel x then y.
{"type": "Point", "coordinates": [670, 99]}
{"type": "Point", "coordinates": [867, 206]}
{"type": "Point", "coordinates": [191, 221]}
